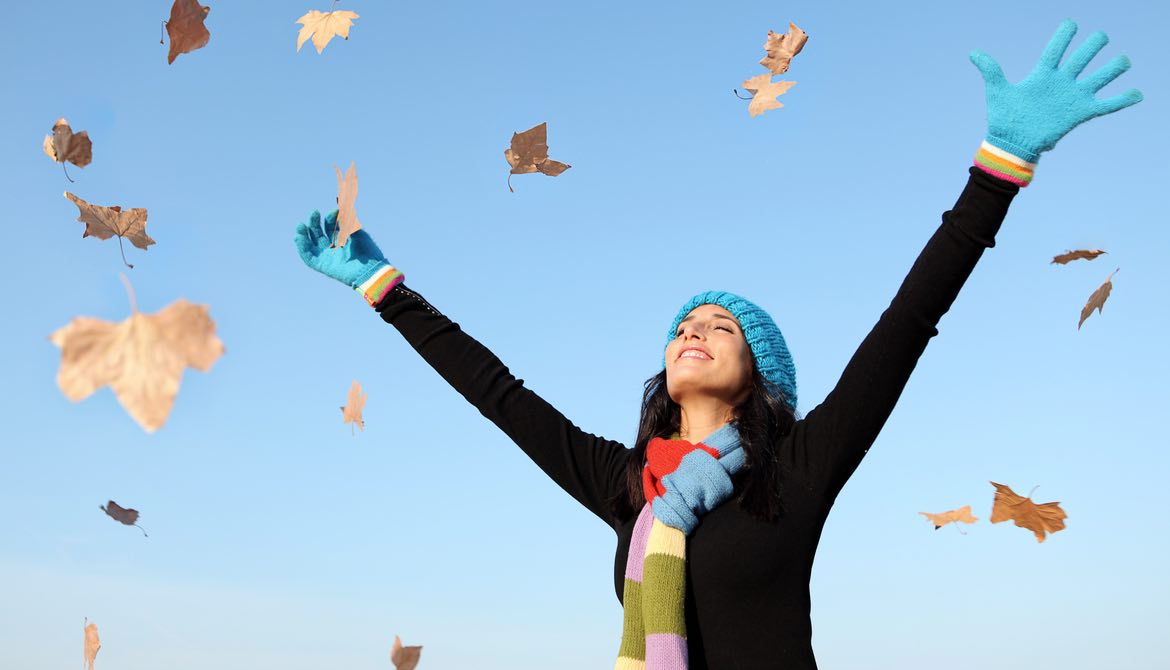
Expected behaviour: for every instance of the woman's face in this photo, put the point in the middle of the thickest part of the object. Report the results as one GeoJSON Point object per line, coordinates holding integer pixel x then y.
{"type": "Point", "coordinates": [709, 357]}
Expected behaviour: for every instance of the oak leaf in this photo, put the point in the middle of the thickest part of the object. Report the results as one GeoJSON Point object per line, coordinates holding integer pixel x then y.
{"type": "Point", "coordinates": [92, 644]}
{"type": "Point", "coordinates": [323, 26]}
{"type": "Point", "coordinates": [141, 359]}
{"type": "Point", "coordinates": [125, 515]}
{"type": "Point", "coordinates": [106, 222]}
{"type": "Point", "coordinates": [1079, 254]}
{"type": "Point", "coordinates": [962, 514]}
{"type": "Point", "coordinates": [347, 221]}
{"type": "Point", "coordinates": [186, 29]}
{"type": "Point", "coordinates": [65, 145]}
{"type": "Point", "coordinates": [782, 48]}
{"type": "Point", "coordinates": [1040, 519]}
{"type": "Point", "coordinates": [764, 93]}
{"type": "Point", "coordinates": [404, 658]}
{"type": "Point", "coordinates": [1097, 299]}
{"type": "Point", "coordinates": [529, 153]}
{"type": "Point", "coordinates": [354, 403]}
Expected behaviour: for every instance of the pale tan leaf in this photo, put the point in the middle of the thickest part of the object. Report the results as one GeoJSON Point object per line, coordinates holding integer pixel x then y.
{"type": "Point", "coordinates": [92, 645]}
{"type": "Point", "coordinates": [404, 658]}
{"type": "Point", "coordinates": [106, 222]}
{"type": "Point", "coordinates": [782, 48]}
{"type": "Point", "coordinates": [141, 359]}
{"type": "Point", "coordinates": [1097, 299]}
{"type": "Point", "coordinates": [347, 190]}
{"type": "Point", "coordinates": [1079, 254]}
{"type": "Point", "coordinates": [323, 26]}
{"type": "Point", "coordinates": [962, 514]}
{"type": "Point", "coordinates": [764, 93]}
{"type": "Point", "coordinates": [64, 145]}
{"type": "Point", "coordinates": [1040, 519]}
{"type": "Point", "coordinates": [186, 29]}
{"type": "Point", "coordinates": [354, 403]}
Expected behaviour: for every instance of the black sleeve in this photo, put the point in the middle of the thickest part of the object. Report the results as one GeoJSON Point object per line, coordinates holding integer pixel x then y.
{"type": "Point", "coordinates": [589, 468]}
{"type": "Point", "coordinates": [833, 438]}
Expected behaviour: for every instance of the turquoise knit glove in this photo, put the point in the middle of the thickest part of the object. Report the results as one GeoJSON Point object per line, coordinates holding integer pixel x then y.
{"type": "Point", "coordinates": [359, 264]}
{"type": "Point", "coordinates": [1026, 119]}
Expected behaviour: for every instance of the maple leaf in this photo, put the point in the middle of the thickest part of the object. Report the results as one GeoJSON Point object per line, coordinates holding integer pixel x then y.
{"type": "Point", "coordinates": [764, 93]}
{"type": "Point", "coordinates": [1097, 299]}
{"type": "Point", "coordinates": [404, 658]}
{"type": "Point", "coordinates": [1040, 519]}
{"type": "Point", "coordinates": [962, 514]}
{"type": "Point", "coordinates": [92, 644]}
{"type": "Point", "coordinates": [347, 221]}
{"type": "Point", "coordinates": [782, 48]}
{"type": "Point", "coordinates": [124, 515]}
{"type": "Point", "coordinates": [141, 359]}
{"type": "Point", "coordinates": [64, 145]}
{"type": "Point", "coordinates": [186, 29]}
{"type": "Point", "coordinates": [323, 26]}
{"type": "Point", "coordinates": [352, 412]}
{"type": "Point", "coordinates": [529, 153]}
{"type": "Point", "coordinates": [106, 222]}
{"type": "Point", "coordinates": [1079, 254]}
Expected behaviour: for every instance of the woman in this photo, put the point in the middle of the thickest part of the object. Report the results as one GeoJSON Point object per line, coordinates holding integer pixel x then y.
{"type": "Point", "coordinates": [707, 581]}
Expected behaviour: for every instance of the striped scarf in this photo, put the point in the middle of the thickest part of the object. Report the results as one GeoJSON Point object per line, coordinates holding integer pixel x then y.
{"type": "Point", "coordinates": [682, 481]}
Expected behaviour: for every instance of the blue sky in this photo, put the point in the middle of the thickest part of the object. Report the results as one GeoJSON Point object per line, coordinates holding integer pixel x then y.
{"type": "Point", "coordinates": [277, 539]}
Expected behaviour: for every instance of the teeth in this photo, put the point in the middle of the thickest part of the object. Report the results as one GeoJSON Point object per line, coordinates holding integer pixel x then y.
{"type": "Point", "coordinates": [694, 353]}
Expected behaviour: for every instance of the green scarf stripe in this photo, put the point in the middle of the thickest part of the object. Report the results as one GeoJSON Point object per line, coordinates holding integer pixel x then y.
{"type": "Point", "coordinates": [633, 639]}
{"type": "Point", "coordinates": [663, 590]}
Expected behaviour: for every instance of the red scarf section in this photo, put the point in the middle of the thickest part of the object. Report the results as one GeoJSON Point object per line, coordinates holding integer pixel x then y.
{"type": "Point", "coordinates": [662, 457]}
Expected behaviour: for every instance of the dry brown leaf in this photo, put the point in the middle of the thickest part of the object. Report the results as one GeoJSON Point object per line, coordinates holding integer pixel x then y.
{"type": "Point", "coordinates": [123, 515]}
{"type": "Point", "coordinates": [764, 93]}
{"type": "Point", "coordinates": [65, 145]}
{"type": "Point", "coordinates": [354, 403]}
{"type": "Point", "coordinates": [347, 221]}
{"type": "Point", "coordinates": [782, 48]}
{"type": "Point", "coordinates": [1040, 519]}
{"type": "Point", "coordinates": [141, 359]}
{"type": "Point", "coordinates": [106, 222]}
{"type": "Point", "coordinates": [92, 644]}
{"type": "Point", "coordinates": [962, 514]}
{"type": "Point", "coordinates": [323, 26]}
{"type": "Point", "coordinates": [1079, 254]}
{"type": "Point", "coordinates": [529, 153]}
{"type": "Point", "coordinates": [186, 29]}
{"type": "Point", "coordinates": [1097, 299]}
{"type": "Point", "coordinates": [404, 658]}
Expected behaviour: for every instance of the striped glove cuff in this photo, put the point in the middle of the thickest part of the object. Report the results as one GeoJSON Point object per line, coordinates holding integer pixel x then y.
{"type": "Point", "coordinates": [380, 283]}
{"type": "Point", "coordinates": [1004, 164]}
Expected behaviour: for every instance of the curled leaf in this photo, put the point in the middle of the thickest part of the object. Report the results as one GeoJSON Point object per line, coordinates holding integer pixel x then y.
{"type": "Point", "coordinates": [92, 645]}
{"type": "Point", "coordinates": [529, 153]}
{"type": "Point", "coordinates": [1079, 254]}
{"type": "Point", "coordinates": [354, 403]}
{"type": "Point", "coordinates": [782, 48]}
{"type": "Point", "coordinates": [1040, 519]}
{"type": "Point", "coordinates": [65, 145]}
{"type": "Point", "coordinates": [1097, 299]}
{"type": "Point", "coordinates": [347, 221]}
{"type": "Point", "coordinates": [962, 514]}
{"type": "Point", "coordinates": [186, 28]}
{"type": "Point", "coordinates": [404, 658]}
{"type": "Point", "coordinates": [123, 515]}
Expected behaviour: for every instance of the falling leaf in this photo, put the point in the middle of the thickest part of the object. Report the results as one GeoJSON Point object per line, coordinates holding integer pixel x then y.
{"type": "Point", "coordinates": [65, 145]}
{"type": "Point", "coordinates": [352, 412]}
{"type": "Point", "coordinates": [1097, 300]}
{"type": "Point", "coordinates": [529, 153]}
{"type": "Point", "coordinates": [92, 644]}
{"type": "Point", "coordinates": [106, 222]}
{"type": "Point", "coordinates": [1079, 254]}
{"type": "Point", "coordinates": [1040, 519]}
{"type": "Point", "coordinates": [124, 515]}
{"type": "Point", "coordinates": [347, 221]}
{"type": "Point", "coordinates": [962, 514]}
{"type": "Point", "coordinates": [323, 26]}
{"type": "Point", "coordinates": [764, 93]}
{"type": "Point", "coordinates": [141, 359]}
{"type": "Point", "coordinates": [404, 658]}
{"type": "Point", "coordinates": [186, 28]}
{"type": "Point", "coordinates": [782, 48]}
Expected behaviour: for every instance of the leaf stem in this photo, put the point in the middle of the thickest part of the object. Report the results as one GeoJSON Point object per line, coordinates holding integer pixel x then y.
{"type": "Point", "coordinates": [123, 252]}
{"type": "Point", "coordinates": [736, 92]}
{"type": "Point", "coordinates": [161, 28]}
{"type": "Point", "coordinates": [66, 172]}
{"type": "Point", "coordinates": [130, 291]}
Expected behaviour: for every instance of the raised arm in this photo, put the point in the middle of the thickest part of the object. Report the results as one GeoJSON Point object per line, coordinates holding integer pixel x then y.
{"type": "Point", "coordinates": [588, 467]}
{"type": "Point", "coordinates": [1024, 120]}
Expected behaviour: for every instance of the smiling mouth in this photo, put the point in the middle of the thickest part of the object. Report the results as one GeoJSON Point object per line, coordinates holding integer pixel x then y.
{"type": "Point", "coordinates": [695, 354]}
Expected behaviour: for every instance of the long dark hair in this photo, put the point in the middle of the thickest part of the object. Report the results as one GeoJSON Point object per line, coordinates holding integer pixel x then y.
{"type": "Point", "coordinates": [763, 419]}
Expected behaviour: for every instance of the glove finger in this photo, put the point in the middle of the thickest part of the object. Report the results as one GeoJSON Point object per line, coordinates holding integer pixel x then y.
{"type": "Point", "coordinates": [1085, 53]}
{"type": "Point", "coordinates": [992, 72]}
{"type": "Point", "coordinates": [313, 227]}
{"type": "Point", "coordinates": [1110, 71]}
{"type": "Point", "coordinates": [1110, 105]}
{"type": "Point", "coordinates": [306, 246]}
{"type": "Point", "coordinates": [331, 226]}
{"type": "Point", "coordinates": [1058, 44]}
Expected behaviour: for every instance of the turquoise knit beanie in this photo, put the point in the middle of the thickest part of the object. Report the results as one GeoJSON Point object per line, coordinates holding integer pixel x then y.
{"type": "Point", "coordinates": [763, 337]}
